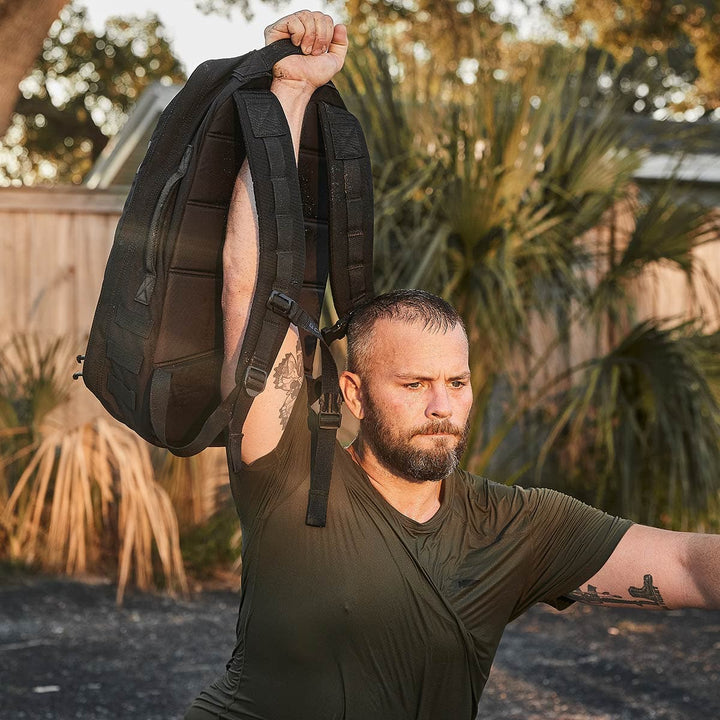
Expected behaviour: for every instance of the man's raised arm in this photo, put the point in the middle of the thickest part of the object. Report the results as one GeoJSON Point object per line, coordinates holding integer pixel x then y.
{"type": "Point", "coordinates": [296, 77]}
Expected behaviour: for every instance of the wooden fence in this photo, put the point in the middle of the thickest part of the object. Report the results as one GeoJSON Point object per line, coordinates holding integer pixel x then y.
{"type": "Point", "coordinates": [54, 244]}
{"type": "Point", "coordinates": [53, 247]}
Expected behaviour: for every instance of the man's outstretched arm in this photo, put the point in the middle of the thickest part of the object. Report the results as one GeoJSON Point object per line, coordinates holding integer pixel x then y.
{"type": "Point", "coordinates": [324, 45]}
{"type": "Point", "coordinates": [658, 570]}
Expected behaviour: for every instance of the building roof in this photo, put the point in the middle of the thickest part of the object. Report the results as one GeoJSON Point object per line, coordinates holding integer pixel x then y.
{"type": "Point", "coordinates": [123, 154]}
{"type": "Point", "coordinates": [118, 162]}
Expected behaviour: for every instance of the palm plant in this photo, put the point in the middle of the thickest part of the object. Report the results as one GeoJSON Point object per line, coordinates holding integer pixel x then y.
{"type": "Point", "coordinates": [644, 422]}
{"type": "Point", "coordinates": [644, 413]}
{"type": "Point", "coordinates": [509, 199]}
{"type": "Point", "coordinates": [80, 485]}
{"type": "Point", "coordinates": [74, 497]}
{"type": "Point", "coordinates": [31, 387]}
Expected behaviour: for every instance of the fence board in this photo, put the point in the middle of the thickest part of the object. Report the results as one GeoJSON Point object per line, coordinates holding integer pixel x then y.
{"type": "Point", "coordinates": [54, 244]}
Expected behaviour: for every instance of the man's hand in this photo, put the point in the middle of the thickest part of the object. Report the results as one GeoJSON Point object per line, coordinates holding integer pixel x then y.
{"type": "Point", "coordinates": [323, 43]}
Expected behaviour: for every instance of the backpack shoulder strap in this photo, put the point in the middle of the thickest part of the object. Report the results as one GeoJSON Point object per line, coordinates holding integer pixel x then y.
{"type": "Point", "coordinates": [351, 208]}
{"type": "Point", "coordinates": [281, 260]}
{"type": "Point", "coordinates": [350, 221]}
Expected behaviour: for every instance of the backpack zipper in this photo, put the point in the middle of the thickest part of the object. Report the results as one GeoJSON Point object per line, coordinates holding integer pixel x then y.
{"type": "Point", "coordinates": [151, 249]}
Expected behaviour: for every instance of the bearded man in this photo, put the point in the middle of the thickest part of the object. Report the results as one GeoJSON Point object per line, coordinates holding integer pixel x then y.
{"type": "Point", "coordinates": [395, 609]}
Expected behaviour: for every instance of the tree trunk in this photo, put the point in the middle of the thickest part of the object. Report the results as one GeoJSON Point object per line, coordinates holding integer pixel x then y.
{"type": "Point", "coordinates": [24, 24]}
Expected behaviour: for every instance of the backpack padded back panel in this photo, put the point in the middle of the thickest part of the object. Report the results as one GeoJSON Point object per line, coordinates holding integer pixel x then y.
{"type": "Point", "coordinates": [190, 330]}
{"type": "Point", "coordinates": [159, 317]}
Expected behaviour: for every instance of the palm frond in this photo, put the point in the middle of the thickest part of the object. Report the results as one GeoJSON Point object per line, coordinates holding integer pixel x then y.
{"type": "Point", "coordinates": [33, 379]}
{"type": "Point", "coordinates": [647, 419]}
{"type": "Point", "coordinates": [80, 487]}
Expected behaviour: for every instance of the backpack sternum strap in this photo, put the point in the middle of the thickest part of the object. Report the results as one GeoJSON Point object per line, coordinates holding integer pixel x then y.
{"type": "Point", "coordinates": [329, 417]}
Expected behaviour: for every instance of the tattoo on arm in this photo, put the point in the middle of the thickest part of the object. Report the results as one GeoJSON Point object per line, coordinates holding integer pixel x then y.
{"type": "Point", "coordinates": [287, 376]}
{"type": "Point", "coordinates": [647, 596]}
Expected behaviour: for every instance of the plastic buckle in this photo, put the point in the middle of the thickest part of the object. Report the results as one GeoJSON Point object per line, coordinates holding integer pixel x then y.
{"type": "Point", "coordinates": [335, 332]}
{"type": "Point", "coordinates": [254, 380]}
{"type": "Point", "coordinates": [330, 417]}
{"type": "Point", "coordinates": [280, 303]}
{"type": "Point", "coordinates": [329, 420]}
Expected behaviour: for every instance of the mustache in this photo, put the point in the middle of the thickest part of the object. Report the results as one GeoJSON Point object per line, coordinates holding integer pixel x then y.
{"type": "Point", "coordinates": [444, 427]}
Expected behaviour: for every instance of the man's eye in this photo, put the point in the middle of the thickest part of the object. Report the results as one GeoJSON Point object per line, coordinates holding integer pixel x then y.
{"type": "Point", "coordinates": [412, 385]}
{"type": "Point", "coordinates": [458, 383]}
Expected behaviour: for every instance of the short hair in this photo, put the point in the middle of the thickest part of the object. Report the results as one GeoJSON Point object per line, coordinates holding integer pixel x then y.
{"type": "Point", "coordinates": [411, 306]}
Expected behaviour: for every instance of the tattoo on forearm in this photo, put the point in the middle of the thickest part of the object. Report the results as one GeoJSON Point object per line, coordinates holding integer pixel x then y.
{"type": "Point", "coordinates": [287, 376]}
{"type": "Point", "coordinates": [647, 596]}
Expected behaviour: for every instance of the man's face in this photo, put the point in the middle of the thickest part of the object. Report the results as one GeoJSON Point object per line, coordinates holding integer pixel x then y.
{"type": "Point", "coordinates": [416, 400]}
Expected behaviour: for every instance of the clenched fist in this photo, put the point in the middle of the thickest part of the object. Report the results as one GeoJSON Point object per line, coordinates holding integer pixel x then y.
{"type": "Point", "coordinates": [323, 43]}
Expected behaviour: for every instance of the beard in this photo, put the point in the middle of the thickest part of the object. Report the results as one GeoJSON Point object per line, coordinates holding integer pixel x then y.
{"type": "Point", "coordinates": [395, 452]}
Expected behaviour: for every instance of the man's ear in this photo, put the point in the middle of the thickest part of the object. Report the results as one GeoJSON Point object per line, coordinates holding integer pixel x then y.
{"type": "Point", "coordinates": [351, 387]}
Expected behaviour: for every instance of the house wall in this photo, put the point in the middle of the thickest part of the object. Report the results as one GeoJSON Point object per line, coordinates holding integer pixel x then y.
{"type": "Point", "coordinates": [660, 291]}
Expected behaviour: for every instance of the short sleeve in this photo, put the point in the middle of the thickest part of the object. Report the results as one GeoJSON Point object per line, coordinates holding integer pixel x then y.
{"type": "Point", "coordinates": [259, 486]}
{"type": "Point", "coordinates": [569, 542]}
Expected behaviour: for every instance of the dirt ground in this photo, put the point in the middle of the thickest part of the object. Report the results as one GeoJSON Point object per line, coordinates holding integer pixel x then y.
{"type": "Point", "coordinates": [66, 651]}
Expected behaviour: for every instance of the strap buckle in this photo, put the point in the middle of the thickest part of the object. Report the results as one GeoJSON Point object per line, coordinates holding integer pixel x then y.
{"type": "Point", "coordinates": [330, 417]}
{"type": "Point", "coordinates": [286, 307]}
{"type": "Point", "coordinates": [335, 332]}
{"type": "Point", "coordinates": [280, 303]}
{"type": "Point", "coordinates": [255, 380]}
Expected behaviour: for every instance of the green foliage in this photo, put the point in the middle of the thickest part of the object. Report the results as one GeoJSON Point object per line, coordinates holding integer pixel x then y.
{"type": "Point", "coordinates": [644, 420]}
{"type": "Point", "coordinates": [225, 7]}
{"type": "Point", "coordinates": [33, 381]}
{"type": "Point", "coordinates": [213, 544]}
{"type": "Point", "coordinates": [663, 56]}
{"type": "Point", "coordinates": [482, 199]}
{"type": "Point", "coordinates": [513, 196]}
{"type": "Point", "coordinates": [676, 42]}
{"type": "Point", "coordinates": [78, 94]}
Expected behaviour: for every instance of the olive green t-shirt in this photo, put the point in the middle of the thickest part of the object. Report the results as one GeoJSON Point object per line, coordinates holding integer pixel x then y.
{"type": "Point", "coordinates": [376, 616]}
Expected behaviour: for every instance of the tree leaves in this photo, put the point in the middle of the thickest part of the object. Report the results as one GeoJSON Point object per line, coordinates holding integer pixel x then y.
{"type": "Point", "coordinates": [79, 93]}
{"type": "Point", "coordinates": [514, 197]}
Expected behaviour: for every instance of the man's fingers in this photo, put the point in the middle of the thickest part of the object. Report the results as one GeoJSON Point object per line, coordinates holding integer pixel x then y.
{"type": "Point", "coordinates": [325, 25]}
{"type": "Point", "coordinates": [307, 41]}
{"type": "Point", "coordinates": [291, 26]}
{"type": "Point", "coordinates": [311, 31]}
{"type": "Point", "coordinates": [339, 44]}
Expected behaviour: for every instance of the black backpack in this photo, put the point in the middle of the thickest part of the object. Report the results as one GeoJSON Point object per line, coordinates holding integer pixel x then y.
{"type": "Point", "coordinates": [155, 350]}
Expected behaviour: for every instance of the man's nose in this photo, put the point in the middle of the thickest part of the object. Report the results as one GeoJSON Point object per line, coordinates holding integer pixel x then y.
{"type": "Point", "coordinates": [439, 404]}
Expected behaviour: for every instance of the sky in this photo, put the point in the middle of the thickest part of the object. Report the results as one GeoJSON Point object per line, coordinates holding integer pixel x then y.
{"type": "Point", "coordinates": [196, 37]}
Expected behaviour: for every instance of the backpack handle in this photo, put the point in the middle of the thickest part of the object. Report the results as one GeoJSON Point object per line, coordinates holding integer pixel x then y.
{"type": "Point", "coordinates": [260, 63]}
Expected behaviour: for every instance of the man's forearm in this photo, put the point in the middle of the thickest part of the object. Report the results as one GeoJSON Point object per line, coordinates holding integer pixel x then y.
{"type": "Point", "coordinates": [294, 96]}
{"type": "Point", "coordinates": [702, 561]}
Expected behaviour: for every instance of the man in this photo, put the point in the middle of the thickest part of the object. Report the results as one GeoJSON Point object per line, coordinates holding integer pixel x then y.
{"type": "Point", "coordinates": [394, 610]}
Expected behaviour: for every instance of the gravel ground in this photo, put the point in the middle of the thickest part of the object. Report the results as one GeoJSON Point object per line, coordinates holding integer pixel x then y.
{"type": "Point", "coordinates": [66, 651]}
